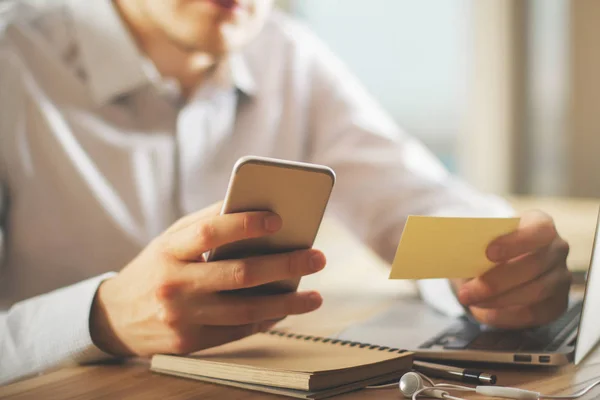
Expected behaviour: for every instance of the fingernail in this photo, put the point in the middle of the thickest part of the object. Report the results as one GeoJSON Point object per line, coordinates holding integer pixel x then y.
{"type": "Point", "coordinates": [317, 262]}
{"type": "Point", "coordinates": [495, 252]}
{"type": "Point", "coordinates": [314, 300]}
{"type": "Point", "coordinates": [272, 223]}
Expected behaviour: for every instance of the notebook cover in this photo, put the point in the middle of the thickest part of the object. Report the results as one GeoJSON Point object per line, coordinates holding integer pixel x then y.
{"type": "Point", "coordinates": [299, 394]}
{"type": "Point", "coordinates": [291, 361]}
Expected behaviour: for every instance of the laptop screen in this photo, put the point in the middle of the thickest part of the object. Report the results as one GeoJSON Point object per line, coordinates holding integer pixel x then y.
{"type": "Point", "coordinates": [589, 324]}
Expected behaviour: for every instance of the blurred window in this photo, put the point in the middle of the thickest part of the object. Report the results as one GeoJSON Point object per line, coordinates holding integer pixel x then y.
{"type": "Point", "coordinates": [411, 55]}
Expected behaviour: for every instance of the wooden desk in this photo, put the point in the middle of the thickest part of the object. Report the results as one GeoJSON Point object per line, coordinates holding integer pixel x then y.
{"type": "Point", "coordinates": [354, 286]}
{"type": "Point", "coordinates": [134, 381]}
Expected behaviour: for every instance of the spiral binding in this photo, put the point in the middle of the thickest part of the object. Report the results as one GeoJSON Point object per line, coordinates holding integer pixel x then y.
{"type": "Point", "coordinates": [348, 343]}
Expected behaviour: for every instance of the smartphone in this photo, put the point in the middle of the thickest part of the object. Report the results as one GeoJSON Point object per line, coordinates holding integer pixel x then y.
{"type": "Point", "coordinates": [297, 192]}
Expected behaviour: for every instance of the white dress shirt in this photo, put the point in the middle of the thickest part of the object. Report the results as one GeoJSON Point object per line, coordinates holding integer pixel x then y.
{"type": "Point", "coordinates": [98, 155]}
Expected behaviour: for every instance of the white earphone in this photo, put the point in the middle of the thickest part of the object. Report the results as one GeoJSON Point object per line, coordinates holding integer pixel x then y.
{"type": "Point", "coordinates": [413, 384]}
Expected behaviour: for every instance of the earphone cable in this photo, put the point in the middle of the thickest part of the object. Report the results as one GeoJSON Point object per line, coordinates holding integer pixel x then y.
{"type": "Point", "coordinates": [452, 397]}
{"type": "Point", "coordinates": [434, 386]}
{"type": "Point", "coordinates": [454, 387]}
{"type": "Point", "coordinates": [426, 378]}
{"type": "Point", "coordinates": [418, 392]}
{"type": "Point", "coordinates": [446, 395]}
{"type": "Point", "coordinates": [422, 390]}
{"type": "Point", "coordinates": [442, 395]}
{"type": "Point", "coordinates": [575, 395]}
{"type": "Point", "coordinates": [385, 385]}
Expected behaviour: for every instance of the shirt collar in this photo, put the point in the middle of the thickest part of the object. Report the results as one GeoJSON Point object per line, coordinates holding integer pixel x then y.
{"type": "Point", "coordinates": [240, 75]}
{"type": "Point", "coordinates": [113, 63]}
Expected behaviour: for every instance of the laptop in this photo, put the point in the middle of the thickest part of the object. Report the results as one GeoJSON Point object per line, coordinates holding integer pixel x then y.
{"type": "Point", "coordinates": [570, 338]}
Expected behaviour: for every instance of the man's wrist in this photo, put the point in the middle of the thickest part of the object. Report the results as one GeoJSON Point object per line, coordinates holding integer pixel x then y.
{"type": "Point", "coordinates": [103, 321]}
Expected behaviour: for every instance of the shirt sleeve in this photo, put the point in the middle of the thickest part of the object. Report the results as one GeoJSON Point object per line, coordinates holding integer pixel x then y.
{"type": "Point", "coordinates": [383, 174]}
{"type": "Point", "coordinates": [49, 331]}
{"type": "Point", "coordinates": [46, 331]}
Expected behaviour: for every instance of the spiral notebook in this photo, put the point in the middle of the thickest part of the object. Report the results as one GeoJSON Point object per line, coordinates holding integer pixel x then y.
{"type": "Point", "coordinates": [300, 366]}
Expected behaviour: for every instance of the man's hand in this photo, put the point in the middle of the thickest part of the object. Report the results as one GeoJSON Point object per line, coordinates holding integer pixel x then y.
{"type": "Point", "coordinates": [169, 300]}
{"type": "Point", "coordinates": [530, 284]}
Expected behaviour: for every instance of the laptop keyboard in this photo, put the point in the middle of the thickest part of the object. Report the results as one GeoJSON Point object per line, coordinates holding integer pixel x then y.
{"type": "Point", "coordinates": [467, 335]}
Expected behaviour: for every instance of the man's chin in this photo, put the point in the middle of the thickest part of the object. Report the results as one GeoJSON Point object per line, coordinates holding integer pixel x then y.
{"type": "Point", "coordinates": [218, 46]}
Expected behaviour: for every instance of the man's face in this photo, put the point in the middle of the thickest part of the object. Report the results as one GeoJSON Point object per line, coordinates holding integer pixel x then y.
{"type": "Point", "coordinates": [213, 26]}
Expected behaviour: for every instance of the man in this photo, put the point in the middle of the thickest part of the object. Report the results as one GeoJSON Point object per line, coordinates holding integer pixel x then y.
{"type": "Point", "coordinates": [119, 118]}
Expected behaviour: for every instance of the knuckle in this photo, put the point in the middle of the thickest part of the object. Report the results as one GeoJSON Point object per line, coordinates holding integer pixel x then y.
{"type": "Point", "coordinates": [205, 233]}
{"type": "Point", "coordinates": [240, 274]}
{"type": "Point", "coordinates": [247, 224]}
{"type": "Point", "coordinates": [253, 224]}
{"type": "Point", "coordinates": [179, 344]}
{"type": "Point", "coordinates": [290, 263]}
{"type": "Point", "coordinates": [171, 318]}
{"type": "Point", "coordinates": [293, 261]}
{"type": "Point", "coordinates": [167, 290]}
